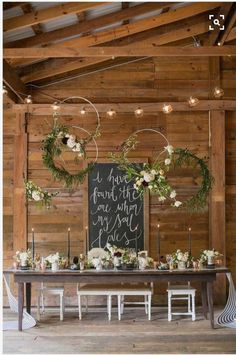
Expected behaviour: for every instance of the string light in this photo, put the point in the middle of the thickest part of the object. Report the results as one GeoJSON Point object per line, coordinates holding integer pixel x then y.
{"type": "Point", "coordinates": [167, 108]}
{"type": "Point", "coordinates": [111, 113]}
{"type": "Point", "coordinates": [218, 44]}
{"type": "Point", "coordinates": [28, 99]}
{"type": "Point", "coordinates": [4, 90]}
{"type": "Point", "coordinates": [55, 106]}
{"type": "Point", "coordinates": [218, 92]}
{"type": "Point", "coordinates": [193, 101]}
{"type": "Point", "coordinates": [83, 111]}
{"type": "Point", "coordinates": [138, 112]}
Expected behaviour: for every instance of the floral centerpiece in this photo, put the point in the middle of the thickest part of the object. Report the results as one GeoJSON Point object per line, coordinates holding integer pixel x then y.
{"type": "Point", "coordinates": [208, 257]}
{"type": "Point", "coordinates": [24, 258]}
{"type": "Point", "coordinates": [36, 194]}
{"type": "Point", "coordinates": [180, 258]}
{"type": "Point", "coordinates": [55, 261]}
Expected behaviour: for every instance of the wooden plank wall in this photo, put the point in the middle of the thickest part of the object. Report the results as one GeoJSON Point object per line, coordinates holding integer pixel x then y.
{"type": "Point", "coordinates": [152, 79]}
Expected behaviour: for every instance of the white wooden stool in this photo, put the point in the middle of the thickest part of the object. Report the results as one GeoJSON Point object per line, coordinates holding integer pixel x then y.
{"type": "Point", "coordinates": [181, 292]}
{"type": "Point", "coordinates": [50, 290]}
{"type": "Point", "coordinates": [135, 290]}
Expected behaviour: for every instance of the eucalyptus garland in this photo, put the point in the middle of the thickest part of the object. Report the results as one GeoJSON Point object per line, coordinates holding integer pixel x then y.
{"type": "Point", "coordinates": [153, 177]}
{"type": "Point", "coordinates": [54, 144]}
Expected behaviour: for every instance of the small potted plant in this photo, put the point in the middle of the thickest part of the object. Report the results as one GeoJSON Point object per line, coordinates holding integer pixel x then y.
{"type": "Point", "coordinates": [180, 259]}
{"type": "Point", "coordinates": [23, 259]}
{"type": "Point", "coordinates": [208, 257]}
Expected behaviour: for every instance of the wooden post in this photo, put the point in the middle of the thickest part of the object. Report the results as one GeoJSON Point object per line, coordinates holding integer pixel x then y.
{"type": "Point", "coordinates": [20, 170]}
{"type": "Point", "coordinates": [217, 196]}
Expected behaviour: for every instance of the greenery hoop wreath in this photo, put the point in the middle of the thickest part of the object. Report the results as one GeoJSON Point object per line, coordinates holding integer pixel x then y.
{"type": "Point", "coordinates": [154, 176]}
{"type": "Point", "coordinates": [59, 139]}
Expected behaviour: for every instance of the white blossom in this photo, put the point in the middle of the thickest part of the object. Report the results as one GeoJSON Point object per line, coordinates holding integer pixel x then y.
{"type": "Point", "coordinates": [153, 171]}
{"type": "Point", "coordinates": [142, 172]}
{"type": "Point", "coordinates": [177, 203]}
{"type": "Point", "coordinates": [77, 147]}
{"type": "Point", "coordinates": [169, 149]}
{"type": "Point", "coordinates": [162, 198]}
{"type": "Point", "coordinates": [173, 194]}
{"type": "Point", "coordinates": [167, 161]}
{"type": "Point", "coordinates": [148, 177]}
{"type": "Point", "coordinates": [150, 187]}
{"type": "Point", "coordinates": [71, 142]}
{"type": "Point", "coordinates": [36, 195]}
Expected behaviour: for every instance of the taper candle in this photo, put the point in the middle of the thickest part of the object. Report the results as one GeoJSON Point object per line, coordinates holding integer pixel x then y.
{"type": "Point", "coordinates": [158, 243]}
{"type": "Point", "coordinates": [33, 243]}
{"type": "Point", "coordinates": [68, 245]}
{"type": "Point", "coordinates": [136, 240]}
{"type": "Point", "coordinates": [86, 240]}
{"type": "Point", "coordinates": [190, 241]}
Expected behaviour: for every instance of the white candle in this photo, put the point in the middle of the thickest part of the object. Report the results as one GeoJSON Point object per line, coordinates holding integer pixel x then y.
{"type": "Point", "coordinates": [33, 243]}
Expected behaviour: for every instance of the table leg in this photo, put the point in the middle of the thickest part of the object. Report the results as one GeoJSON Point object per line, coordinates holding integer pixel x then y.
{"type": "Point", "coordinates": [20, 304]}
{"type": "Point", "coordinates": [28, 297]}
{"type": "Point", "coordinates": [210, 303]}
{"type": "Point", "coordinates": [204, 299]}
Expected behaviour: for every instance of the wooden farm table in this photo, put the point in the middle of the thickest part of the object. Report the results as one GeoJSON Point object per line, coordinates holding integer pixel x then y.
{"type": "Point", "coordinates": [205, 276]}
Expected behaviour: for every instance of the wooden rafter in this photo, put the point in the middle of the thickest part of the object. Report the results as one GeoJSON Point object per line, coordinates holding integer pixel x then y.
{"type": "Point", "coordinates": [55, 67]}
{"type": "Point", "coordinates": [12, 80]}
{"type": "Point", "coordinates": [11, 5]}
{"type": "Point", "coordinates": [87, 26]}
{"type": "Point", "coordinates": [230, 22]}
{"type": "Point", "coordinates": [27, 8]}
{"type": "Point", "coordinates": [139, 26]}
{"type": "Point", "coordinates": [48, 14]}
{"type": "Point", "coordinates": [232, 35]}
{"type": "Point", "coordinates": [223, 10]}
{"type": "Point", "coordinates": [126, 51]}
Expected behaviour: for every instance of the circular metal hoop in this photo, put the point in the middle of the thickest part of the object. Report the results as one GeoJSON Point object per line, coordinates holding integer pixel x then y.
{"type": "Point", "coordinates": [90, 103]}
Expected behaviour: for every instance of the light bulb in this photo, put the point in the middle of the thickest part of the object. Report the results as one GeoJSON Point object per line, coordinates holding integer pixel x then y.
{"type": "Point", "coordinates": [138, 112]}
{"type": "Point", "coordinates": [167, 108]}
{"type": "Point", "coordinates": [83, 111]}
{"type": "Point", "coordinates": [4, 90]}
{"type": "Point", "coordinates": [28, 99]}
{"type": "Point", "coordinates": [218, 44]}
{"type": "Point", "coordinates": [111, 113]}
{"type": "Point", "coordinates": [55, 106]}
{"type": "Point", "coordinates": [193, 101]}
{"type": "Point", "coordinates": [218, 92]}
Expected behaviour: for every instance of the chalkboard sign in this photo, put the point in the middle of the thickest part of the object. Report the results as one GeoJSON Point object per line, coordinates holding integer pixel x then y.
{"type": "Point", "coordinates": [116, 212]}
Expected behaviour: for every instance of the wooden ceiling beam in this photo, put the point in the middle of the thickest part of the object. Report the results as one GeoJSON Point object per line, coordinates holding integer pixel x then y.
{"type": "Point", "coordinates": [127, 30]}
{"type": "Point", "coordinates": [27, 8]}
{"type": "Point", "coordinates": [53, 67]}
{"type": "Point", "coordinates": [126, 51]}
{"type": "Point", "coordinates": [13, 82]}
{"type": "Point", "coordinates": [232, 35]}
{"type": "Point", "coordinates": [214, 35]}
{"type": "Point", "coordinates": [229, 23]}
{"type": "Point", "coordinates": [11, 5]}
{"type": "Point", "coordinates": [87, 26]}
{"type": "Point", "coordinates": [48, 14]}
{"type": "Point", "coordinates": [67, 109]}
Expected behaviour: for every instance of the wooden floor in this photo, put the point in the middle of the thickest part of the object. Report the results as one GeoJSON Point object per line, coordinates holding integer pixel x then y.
{"type": "Point", "coordinates": [134, 334]}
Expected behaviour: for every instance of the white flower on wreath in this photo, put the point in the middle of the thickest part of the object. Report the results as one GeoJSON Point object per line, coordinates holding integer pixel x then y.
{"type": "Point", "coordinates": [142, 172]}
{"type": "Point", "coordinates": [173, 194]}
{"type": "Point", "coordinates": [177, 203]}
{"type": "Point", "coordinates": [167, 161]}
{"type": "Point", "coordinates": [36, 195]}
{"type": "Point", "coordinates": [169, 149]}
{"type": "Point", "coordinates": [71, 142]}
{"type": "Point", "coordinates": [150, 187]}
{"type": "Point", "coordinates": [162, 198]}
{"type": "Point", "coordinates": [77, 147]}
{"type": "Point", "coordinates": [148, 177]}
{"type": "Point", "coordinates": [153, 172]}
{"type": "Point", "coordinates": [60, 135]}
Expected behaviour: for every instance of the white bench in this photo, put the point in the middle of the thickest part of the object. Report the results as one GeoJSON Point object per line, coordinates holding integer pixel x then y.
{"type": "Point", "coordinates": [50, 290]}
{"type": "Point", "coordinates": [120, 291]}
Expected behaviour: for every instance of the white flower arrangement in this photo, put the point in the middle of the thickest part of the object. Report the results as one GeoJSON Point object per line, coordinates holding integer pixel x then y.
{"type": "Point", "coordinates": [53, 258]}
{"type": "Point", "coordinates": [97, 253]}
{"type": "Point", "coordinates": [71, 142]}
{"type": "Point", "coordinates": [24, 257]}
{"type": "Point", "coordinates": [180, 256]}
{"type": "Point", "coordinates": [209, 253]}
{"type": "Point", "coordinates": [36, 194]}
